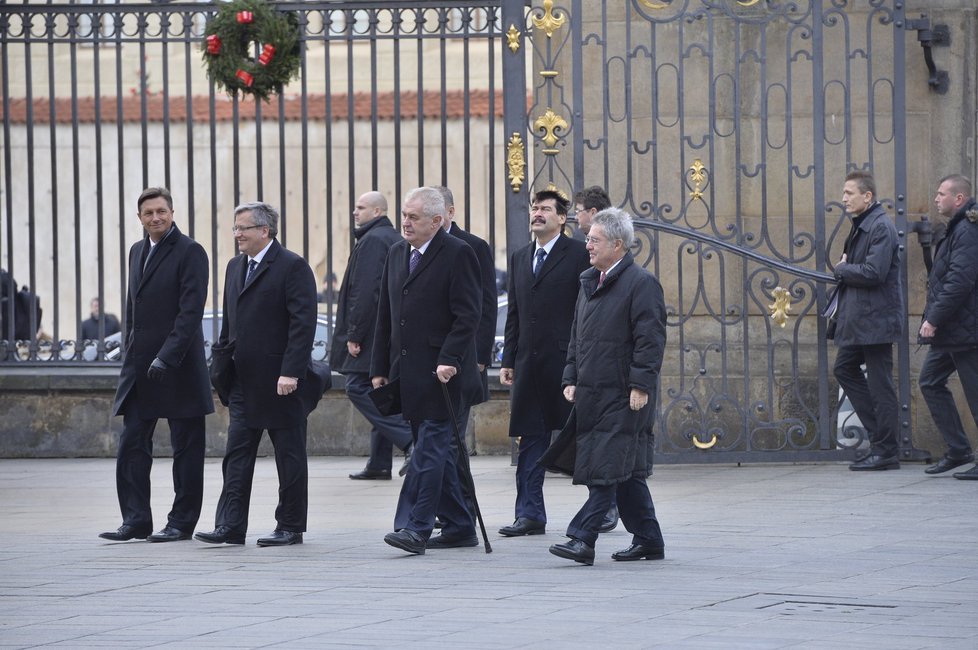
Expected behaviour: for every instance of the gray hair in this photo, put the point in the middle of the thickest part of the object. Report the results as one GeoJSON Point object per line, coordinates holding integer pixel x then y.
{"type": "Point", "coordinates": [447, 195]}
{"type": "Point", "coordinates": [616, 224]}
{"type": "Point", "coordinates": [263, 214]}
{"type": "Point", "coordinates": [432, 201]}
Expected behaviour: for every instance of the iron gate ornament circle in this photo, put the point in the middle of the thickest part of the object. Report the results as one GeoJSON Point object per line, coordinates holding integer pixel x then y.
{"type": "Point", "coordinates": [230, 40]}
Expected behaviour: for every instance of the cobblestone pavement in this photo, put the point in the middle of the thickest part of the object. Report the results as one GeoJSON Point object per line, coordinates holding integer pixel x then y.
{"type": "Point", "coordinates": [772, 556]}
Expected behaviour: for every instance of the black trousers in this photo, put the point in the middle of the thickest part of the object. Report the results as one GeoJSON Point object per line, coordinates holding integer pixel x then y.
{"type": "Point", "coordinates": [872, 395]}
{"type": "Point", "coordinates": [134, 461]}
{"type": "Point", "coordinates": [937, 368]}
{"type": "Point", "coordinates": [634, 505]}
{"type": "Point", "coordinates": [239, 471]}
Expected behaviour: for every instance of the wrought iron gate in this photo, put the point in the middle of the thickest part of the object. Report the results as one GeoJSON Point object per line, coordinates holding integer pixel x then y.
{"type": "Point", "coordinates": [726, 128]}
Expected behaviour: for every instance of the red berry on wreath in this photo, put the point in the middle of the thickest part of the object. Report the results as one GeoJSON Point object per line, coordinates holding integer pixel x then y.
{"type": "Point", "coordinates": [245, 77]}
{"type": "Point", "coordinates": [267, 54]}
{"type": "Point", "coordinates": [213, 44]}
{"type": "Point", "coordinates": [245, 17]}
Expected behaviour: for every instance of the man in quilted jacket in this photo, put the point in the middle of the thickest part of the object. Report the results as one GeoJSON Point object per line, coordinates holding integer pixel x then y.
{"type": "Point", "coordinates": [950, 323]}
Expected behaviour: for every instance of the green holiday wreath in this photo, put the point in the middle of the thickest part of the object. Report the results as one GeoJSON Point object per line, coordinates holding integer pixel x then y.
{"type": "Point", "coordinates": [232, 37]}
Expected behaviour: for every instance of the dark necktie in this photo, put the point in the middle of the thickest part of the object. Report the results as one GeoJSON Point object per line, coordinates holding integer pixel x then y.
{"type": "Point", "coordinates": [149, 254]}
{"type": "Point", "coordinates": [415, 260]}
{"type": "Point", "coordinates": [601, 279]}
{"type": "Point", "coordinates": [538, 262]}
{"type": "Point", "coordinates": [252, 265]}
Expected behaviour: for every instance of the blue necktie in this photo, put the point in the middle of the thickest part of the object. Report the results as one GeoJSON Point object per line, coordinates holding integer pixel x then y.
{"type": "Point", "coordinates": [415, 260]}
{"type": "Point", "coordinates": [252, 265]}
{"type": "Point", "coordinates": [538, 262]}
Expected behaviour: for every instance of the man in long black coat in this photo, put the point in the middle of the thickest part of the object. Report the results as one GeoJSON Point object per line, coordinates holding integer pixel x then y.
{"type": "Point", "coordinates": [950, 323]}
{"type": "Point", "coordinates": [353, 338]}
{"type": "Point", "coordinates": [270, 318]}
{"type": "Point", "coordinates": [612, 376]}
{"type": "Point", "coordinates": [544, 279]}
{"type": "Point", "coordinates": [869, 319]}
{"type": "Point", "coordinates": [428, 314]}
{"type": "Point", "coordinates": [164, 373]}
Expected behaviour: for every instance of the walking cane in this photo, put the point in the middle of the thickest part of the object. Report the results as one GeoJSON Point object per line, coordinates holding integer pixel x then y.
{"type": "Point", "coordinates": [463, 461]}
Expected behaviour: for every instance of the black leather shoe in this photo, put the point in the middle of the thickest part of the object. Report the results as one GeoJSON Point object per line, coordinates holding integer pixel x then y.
{"type": "Point", "coordinates": [639, 552]}
{"type": "Point", "coordinates": [574, 550]}
{"type": "Point", "coordinates": [406, 540]}
{"type": "Point", "coordinates": [523, 526]}
{"type": "Point", "coordinates": [875, 463]}
{"type": "Point", "coordinates": [125, 533]}
{"type": "Point", "coordinates": [407, 461]}
{"type": "Point", "coordinates": [948, 463]}
{"type": "Point", "coordinates": [970, 475]}
{"type": "Point", "coordinates": [221, 535]}
{"type": "Point", "coordinates": [281, 538]}
{"type": "Point", "coordinates": [439, 523]}
{"type": "Point", "coordinates": [443, 541]}
{"type": "Point", "coordinates": [372, 475]}
{"type": "Point", "coordinates": [168, 534]}
{"type": "Point", "coordinates": [610, 520]}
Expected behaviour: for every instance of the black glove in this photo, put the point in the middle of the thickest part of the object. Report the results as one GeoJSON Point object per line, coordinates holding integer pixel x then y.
{"type": "Point", "coordinates": [157, 370]}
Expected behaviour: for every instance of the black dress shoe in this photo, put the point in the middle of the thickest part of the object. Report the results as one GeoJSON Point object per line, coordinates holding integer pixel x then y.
{"type": "Point", "coordinates": [875, 463]}
{"type": "Point", "coordinates": [639, 552]}
{"type": "Point", "coordinates": [439, 523]}
{"type": "Point", "coordinates": [610, 520]}
{"type": "Point", "coordinates": [970, 475]}
{"type": "Point", "coordinates": [574, 550]}
{"type": "Point", "coordinates": [443, 541]}
{"type": "Point", "coordinates": [221, 535]}
{"type": "Point", "coordinates": [372, 475]}
{"type": "Point", "coordinates": [948, 463]}
{"type": "Point", "coordinates": [125, 533]}
{"type": "Point", "coordinates": [281, 538]}
{"type": "Point", "coordinates": [523, 526]}
{"type": "Point", "coordinates": [407, 461]}
{"type": "Point", "coordinates": [168, 534]}
{"type": "Point", "coordinates": [406, 540]}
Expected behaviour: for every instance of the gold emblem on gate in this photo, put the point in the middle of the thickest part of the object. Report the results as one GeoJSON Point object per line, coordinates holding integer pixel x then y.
{"type": "Point", "coordinates": [550, 123]}
{"type": "Point", "coordinates": [513, 39]}
{"type": "Point", "coordinates": [697, 174]}
{"type": "Point", "coordinates": [549, 22]}
{"type": "Point", "coordinates": [704, 445]}
{"type": "Point", "coordinates": [516, 161]}
{"type": "Point", "coordinates": [781, 306]}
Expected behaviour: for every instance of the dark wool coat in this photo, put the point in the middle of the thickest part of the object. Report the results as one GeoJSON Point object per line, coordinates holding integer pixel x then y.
{"type": "Point", "coordinates": [870, 296]}
{"type": "Point", "coordinates": [272, 322]}
{"type": "Point", "coordinates": [164, 308]}
{"type": "Point", "coordinates": [952, 298]}
{"type": "Point", "coordinates": [426, 319]}
{"type": "Point", "coordinates": [538, 324]}
{"type": "Point", "coordinates": [356, 313]}
{"type": "Point", "coordinates": [617, 343]}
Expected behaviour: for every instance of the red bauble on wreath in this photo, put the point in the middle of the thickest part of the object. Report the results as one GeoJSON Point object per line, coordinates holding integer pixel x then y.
{"type": "Point", "coordinates": [239, 30]}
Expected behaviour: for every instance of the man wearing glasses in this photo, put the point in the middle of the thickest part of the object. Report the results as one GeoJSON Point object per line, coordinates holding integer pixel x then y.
{"type": "Point", "coordinates": [164, 373]}
{"type": "Point", "coordinates": [270, 321]}
{"type": "Point", "coordinates": [587, 203]}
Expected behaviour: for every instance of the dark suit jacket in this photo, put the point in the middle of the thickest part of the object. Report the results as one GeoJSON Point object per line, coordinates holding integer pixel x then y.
{"type": "Point", "coordinates": [356, 313]}
{"type": "Point", "coordinates": [485, 335]}
{"type": "Point", "coordinates": [426, 319]}
{"type": "Point", "coordinates": [164, 308]}
{"type": "Point", "coordinates": [538, 324]}
{"type": "Point", "coordinates": [272, 322]}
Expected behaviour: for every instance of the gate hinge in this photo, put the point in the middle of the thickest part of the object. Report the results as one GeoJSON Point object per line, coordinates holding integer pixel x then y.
{"type": "Point", "coordinates": [928, 37]}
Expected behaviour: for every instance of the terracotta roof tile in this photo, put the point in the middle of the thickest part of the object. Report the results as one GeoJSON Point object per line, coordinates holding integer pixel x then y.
{"type": "Point", "coordinates": [478, 106]}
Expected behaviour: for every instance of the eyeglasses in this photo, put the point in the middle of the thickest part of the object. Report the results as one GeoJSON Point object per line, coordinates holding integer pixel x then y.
{"type": "Point", "coordinates": [238, 229]}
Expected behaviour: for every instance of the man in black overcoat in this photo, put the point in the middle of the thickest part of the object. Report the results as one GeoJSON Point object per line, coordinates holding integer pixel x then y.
{"type": "Point", "coordinates": [544, 278]}
{"type": "Point", "coordinates": [270, 319]}
{"type": "Point", "coordinates": [870, 319]}
{"type": "Point", "coordinates": [950, 323]}
{"type": "Point", "coordinates": [612, 376]}
{"type": "Point", "coordinates": [426, 324]}
{"type": "Point", "coordinates": [352, 344]}
{"type": "Point", "coordinates": [164, 372]}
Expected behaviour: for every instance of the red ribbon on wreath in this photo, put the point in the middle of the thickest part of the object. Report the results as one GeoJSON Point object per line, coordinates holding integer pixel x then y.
{"type": "Point", "coordinates": [245, 17]}
{"type": "Point", "coordinates": [213, 44]}
{"type": "Point", "coordinates": [267, 54]}
{"type": "Point", "coordinates": [245, 77]}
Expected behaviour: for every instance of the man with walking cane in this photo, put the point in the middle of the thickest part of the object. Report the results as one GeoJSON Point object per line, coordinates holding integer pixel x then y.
{"type": "Point", "coordinates": [427, 318]}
